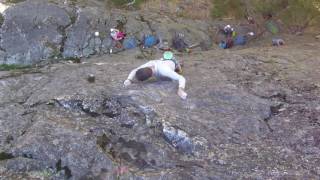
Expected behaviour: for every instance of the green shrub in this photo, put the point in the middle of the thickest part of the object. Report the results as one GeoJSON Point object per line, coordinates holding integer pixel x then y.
{"type": "Point", "coordinates": [239, 8]}
{"type": "Point", "coordinates": [300, 13]}
{"type": "Point", "coordinates": [227, 8]}
{"type": "Point", "coordinates": [8, 67]}
{"type": "Point", "coordinates": [14, 1]}
{"type": "Point", "coordinates": [1, 19]}
{"type": "Point", "coordinates": [268, 6]}
{"type": "Point", "coordinates": [291, 12]}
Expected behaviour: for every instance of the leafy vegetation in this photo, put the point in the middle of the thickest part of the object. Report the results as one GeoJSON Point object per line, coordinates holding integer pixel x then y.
{"type": "Point", "coordinates": [298, 13]}
{"type": "Point", "coordinates": [226, 8]}
{"type": "Point", "coordinates": [1, 19]}
{"type": "Point", "coordinates": [8, 67]}
{"type": "Point", "coordinates": [14, 1]}
{"type": "Point", "coordinates": [5, 156]}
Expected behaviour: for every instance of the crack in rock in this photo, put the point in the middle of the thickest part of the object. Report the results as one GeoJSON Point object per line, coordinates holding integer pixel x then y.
{"type": "Point", "coordinates": [120, 108]}
{"type": "Point", "coordinates": [73, 17]}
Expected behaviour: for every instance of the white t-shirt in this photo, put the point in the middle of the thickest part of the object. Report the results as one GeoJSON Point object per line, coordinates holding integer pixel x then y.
{"type": "Point", "coordinates": [161, 68]}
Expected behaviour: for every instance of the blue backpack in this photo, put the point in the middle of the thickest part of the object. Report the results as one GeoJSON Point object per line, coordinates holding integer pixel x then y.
{"type": "Point", "coordinates": [149, 41]}
{"type": "Point", "coordinates": [223, 45]}
{"type": "Point", "coordinates": [130, 43]}
{"type": "Point", "coordinates": [240, 40]}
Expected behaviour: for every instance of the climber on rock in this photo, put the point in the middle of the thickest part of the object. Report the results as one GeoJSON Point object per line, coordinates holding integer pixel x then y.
{"type": "Point", "coordinates": [167, 67]}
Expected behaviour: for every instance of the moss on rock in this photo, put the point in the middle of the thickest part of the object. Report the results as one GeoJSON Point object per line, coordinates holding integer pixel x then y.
{"type": "Point", "coordinates": [14, 1]}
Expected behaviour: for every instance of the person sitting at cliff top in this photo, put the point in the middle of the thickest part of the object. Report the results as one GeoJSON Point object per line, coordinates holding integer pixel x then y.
{"type": "Point", "coordinates": [117, 36]}
{"type": "Point", "coordinates": [167, 67]}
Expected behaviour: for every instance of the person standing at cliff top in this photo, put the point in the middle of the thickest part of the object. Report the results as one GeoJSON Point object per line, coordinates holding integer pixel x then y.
{"type": "Point", "coordinates": [167, 67]}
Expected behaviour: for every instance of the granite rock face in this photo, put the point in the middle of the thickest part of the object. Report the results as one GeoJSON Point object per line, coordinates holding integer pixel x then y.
{"type": "Point", "coordinates": [35, 31]}
{"type": "Point", "coordinates": [250, 113]}
{"type": "Point", "coordinates": [244, 118]}
{"type": "Point", "coordinates": [32, 31]}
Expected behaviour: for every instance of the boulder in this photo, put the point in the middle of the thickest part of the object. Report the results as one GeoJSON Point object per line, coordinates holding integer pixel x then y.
{"type": "Point", "coordinates": [32, 31]}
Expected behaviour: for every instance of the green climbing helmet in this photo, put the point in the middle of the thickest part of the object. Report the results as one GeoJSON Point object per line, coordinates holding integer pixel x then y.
{"type": "Point", "coordinates": [168, 55]}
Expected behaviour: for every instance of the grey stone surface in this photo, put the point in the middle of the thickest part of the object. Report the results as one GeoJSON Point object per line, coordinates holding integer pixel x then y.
{"type": "Point", "coordinates": [80, 38]}
{"type": "Point", "coordinates": [250, 113]}
{"type": "Point", "coordinates": [238, 118]}
{"type": "Point", "coordinates": [31, 32]}
{"type": "Point", "coordinates": [62, 149]}
{"type": "Point", "coordinates": [41, 30]}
